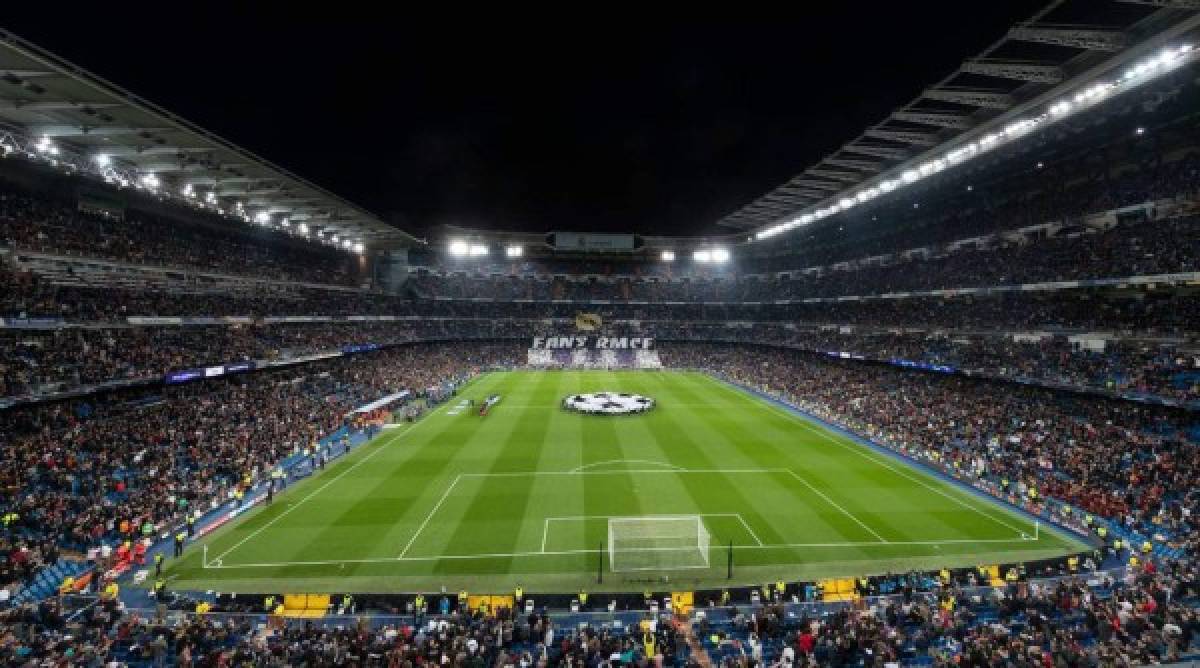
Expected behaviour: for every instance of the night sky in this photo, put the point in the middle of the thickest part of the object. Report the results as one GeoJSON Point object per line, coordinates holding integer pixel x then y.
{"type": "Point", "coordinates": [593, 121]}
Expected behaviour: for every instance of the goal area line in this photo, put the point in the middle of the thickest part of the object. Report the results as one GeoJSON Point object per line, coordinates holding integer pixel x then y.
{"type": "Point", "coordinates": [583, 518]}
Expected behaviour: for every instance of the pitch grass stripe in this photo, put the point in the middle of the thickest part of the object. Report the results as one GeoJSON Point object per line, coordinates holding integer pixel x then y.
{"type": "Point", "coordinates": [503, 508]}
{"type": "Point", "coordinates": [618, 495]}
{"type": "Point", "coordinates": [833, 503]}
{"type": "Point", "coordinates": [379, 444]}
{"type": "Point", "coordinates": [745, 408]}
{"type": "Point", "coordinates": [432, 512]}
{"type": "Point", "coordinates": [369, 510]}
{"type": "Point", "coordinates": [289, 541]}
{"type": "Point", "coordinates": [667, 430]}
{"type": "Point", "coordinates": [379, 447]}
{"type": "Point", "coordinates": [861, 451]}
{"type": "Point", "coordinates": [717, 424]}
{"type": "Point", "coordinates": [779, 457]}
{"type": "Point", "coordinates": [433, 465]}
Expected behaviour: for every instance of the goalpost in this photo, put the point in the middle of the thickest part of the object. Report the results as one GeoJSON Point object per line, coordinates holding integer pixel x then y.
{"type": "Point", "coordinates": [650, 543]}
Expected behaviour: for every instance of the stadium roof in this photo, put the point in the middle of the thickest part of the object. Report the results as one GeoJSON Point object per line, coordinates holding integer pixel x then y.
{"type": "Point", "coordinates": [1061, 60]}
{"type": "Point", "coordinates": [53, 107]}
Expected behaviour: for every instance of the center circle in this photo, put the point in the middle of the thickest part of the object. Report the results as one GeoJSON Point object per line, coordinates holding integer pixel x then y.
{"type": "Point", "coordinates": [608, 403]}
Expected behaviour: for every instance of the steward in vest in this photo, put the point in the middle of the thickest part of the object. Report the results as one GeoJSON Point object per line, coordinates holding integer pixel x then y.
{"type": "Point", "coordinates": [781, 588]}
{"type": "Point", "coordinates": [268, 604]}
{"type": "Point", "coordinates": [419, 604]}
{"type": "Point", "coordinates": [519, 594]}
{"type": "Point", "coordinates": [347, 604]}
{"type": "Point", "coordinates": [160, 590]}
{"type": "Point", "coordinates": [68, 585]}
{"type": "Point", "coordinates": [583, 596]}
{"type": "Point", "coordinates": [158, 562]}
{"type": "Point", "coordinates": [179, 538]}
{"type": "Point", "coordinates": [1073, 563]}
{"type": "Point", "coordinates": [1147, 547]}
{"type": "Point", "coordinates": [462, 600]}
{"type": "Point", "coordinates": [191, 524]}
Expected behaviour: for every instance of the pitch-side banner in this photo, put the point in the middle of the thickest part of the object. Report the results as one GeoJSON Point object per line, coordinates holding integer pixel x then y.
{"type": "Point", "coordinates": [592, 343]}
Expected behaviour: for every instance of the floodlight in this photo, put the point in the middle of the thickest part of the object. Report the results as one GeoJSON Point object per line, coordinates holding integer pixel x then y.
{"type": "Point", "coordinates": [667, 256]}
{"type": "Point", "coordinates": [720, 255]}
{"type": "Point", "coordinates": [514, 251]}
{"type": "Point", "coordinates": [262, 217]}
{"type": "Point", "coordinates": [478, 250]}
{"type": "Point", "coordinates": [103, 160]}
{"type": "Point", "coordinates": [358, 247]}
{"type": "Point", "coordinates": [458, 248]}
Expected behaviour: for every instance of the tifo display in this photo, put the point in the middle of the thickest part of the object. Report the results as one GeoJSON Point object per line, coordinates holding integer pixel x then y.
{"type": "Point", "coordinates": [608, 403]}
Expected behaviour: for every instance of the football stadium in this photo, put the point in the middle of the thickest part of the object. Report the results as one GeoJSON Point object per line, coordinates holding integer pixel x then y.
{"type": "Point", "coordinates": [929, 396]}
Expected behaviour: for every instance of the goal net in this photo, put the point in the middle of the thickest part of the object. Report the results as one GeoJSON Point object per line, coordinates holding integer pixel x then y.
{"type": "Point", "coordinates": [657, 543]}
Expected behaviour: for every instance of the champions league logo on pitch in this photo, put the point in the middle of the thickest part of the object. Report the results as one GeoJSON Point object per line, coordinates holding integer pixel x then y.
{"type": "Point", "coordinates": [608, 403]}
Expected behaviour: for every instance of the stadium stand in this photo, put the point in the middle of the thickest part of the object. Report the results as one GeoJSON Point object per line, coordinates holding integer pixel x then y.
{"type": "Point", "coordinates": [1028, 332]}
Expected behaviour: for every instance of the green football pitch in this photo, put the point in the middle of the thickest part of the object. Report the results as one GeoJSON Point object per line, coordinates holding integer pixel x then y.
{"type": "Point", "coordinates": [533, 494]}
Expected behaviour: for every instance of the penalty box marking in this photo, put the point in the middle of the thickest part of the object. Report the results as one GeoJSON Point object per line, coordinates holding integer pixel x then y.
{"type": "Point", "coordinates": [581, 518]}
{"type": "Point", "coordinates": [403, 556]}
{"type": "Point", "coordinates": [577, 472]}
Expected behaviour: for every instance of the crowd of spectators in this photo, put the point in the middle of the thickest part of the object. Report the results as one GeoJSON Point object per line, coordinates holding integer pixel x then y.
{"type": "Point", "coordinates": [73, 474]}
{"type": "Point", "coordinates": [46, 634]}
{"type": "Point", "coordinates": [1145, 619]}
{"type": "Point", "coordinates": [1158, 369]}
{"type": "Point", "coordinates": [1130, 249]}
{"type": "Point", "coordinates": [35, 223]}
{"type": "Point", "coordinates": [39, 362]}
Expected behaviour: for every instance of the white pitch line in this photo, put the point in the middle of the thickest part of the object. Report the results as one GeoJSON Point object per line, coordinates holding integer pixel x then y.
{"type": "Point", "coordinates": [428, 517]}
{"type": "Point", "coordinates": [545, 532]}
{"type": "Point", "coordinates": [387, 441]}
{"type": "Point", "coordinates": [751, 531]}
{"type": "Point", "coordinates": [506, 555]}
{"type": "Point", "coordinates": [380, 448]}
{"type": "Point", "coordinates": [580, 469]}
{"type": "Point", "coordinates": [861, 452]}
{"type": "Point", "coordinates": [833, 503]}
{"type": "Point", "coordinates": [519, 474]}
